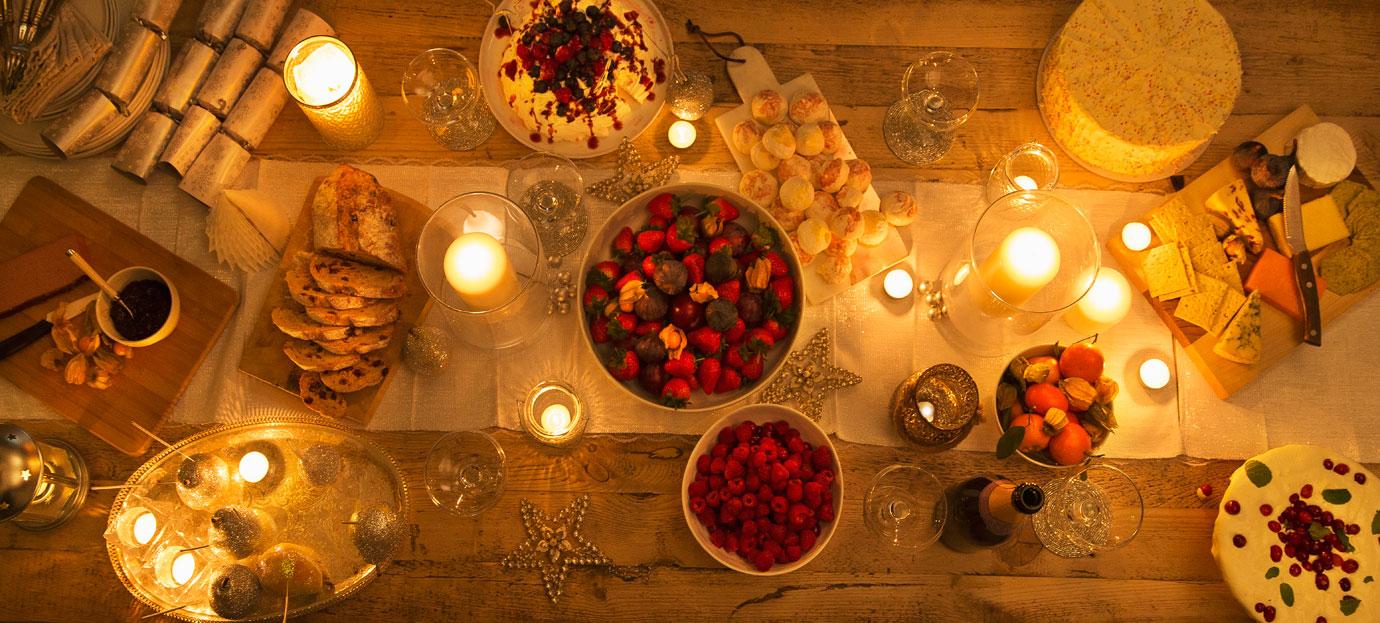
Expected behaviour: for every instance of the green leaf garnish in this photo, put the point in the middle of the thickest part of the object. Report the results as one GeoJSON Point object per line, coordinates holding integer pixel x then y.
{"type": "Point", "coordinates": [1349, 605]}
{"type": "Point", "coordinates": [1375, 524]}
{"type": "Point", "coordinates": [1006, 398]}
{"type": "Point", "coordinates": [1010, 440]}
{"type": "Point", "coordinates": [1336, 496]}
{"type": "Point", "coordinates": [1317, 531]}
{"type": "Point", "coordinates": [1258, 473]}
{"type": "Point", "coordinates": [1274, 571]}
{"type": "Point", "coordinates": [1368, 580]}
{"type": "Point", "coordinates": [1286, 593]}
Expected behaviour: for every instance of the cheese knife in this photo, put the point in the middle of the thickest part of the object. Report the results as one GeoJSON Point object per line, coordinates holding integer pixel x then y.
{"type": "Point", "coordinates": [1303, 262]}
{"type": "Point", "coordinates": [37, 330]}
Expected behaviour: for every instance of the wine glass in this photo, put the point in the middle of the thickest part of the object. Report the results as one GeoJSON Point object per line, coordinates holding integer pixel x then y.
{"type": "Point", "coordinates": [938, 93]}
{"type": "Point", "coordinates": [442, 90]}
{"type": "Point", "coordinates": [551, 191]}
{"type": "Point", "coordinates": [1099, 508]}
{"type": "Point", "coordinates": [905, 506]}
{"type": "Point", "coordinates": [465, 472]}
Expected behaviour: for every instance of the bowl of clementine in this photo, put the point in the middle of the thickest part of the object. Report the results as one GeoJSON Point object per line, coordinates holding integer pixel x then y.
{"type": "Point", "coordinates": [1054, 405]}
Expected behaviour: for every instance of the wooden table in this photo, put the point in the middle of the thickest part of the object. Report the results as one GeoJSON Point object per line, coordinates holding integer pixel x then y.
{"type": "Point", "coordinates": [1320, 53]}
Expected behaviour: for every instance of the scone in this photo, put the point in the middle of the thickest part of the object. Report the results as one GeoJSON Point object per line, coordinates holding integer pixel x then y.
{"type": "Point", "coordinates": [823, 207]}
{"type": "Point", "coordinates": [834, 268]}
{"type": "Point", "coordinates": [800, 253]}
{"type": "Point", "coordinates": [874, 228]}
{"type": "Point", "coordinates": [809, 141]}
{"type": "Point", "coordinates": [795, 166]}
{"type": "Point", "coordinates": [746, 134]}
{"type": "Point", "coordinates": [302, 287]}
{"type": "Point", "coordinates": [759, 186]}
{"type": "Point", "coordinates": [789, 220]}
{"type": "Point", "coordinates": [768, 107]}
{"type": "Point", "coordinates": [900, 208]}
{"type": "Point", "coordinates": [762, 159]}
{"type": "Point", "coordinates": [373, 315]}
{"type": "Point", "coordinates": [814, 236]}
{"type": "Point", "coordinates": [849, 197]}
{"type": "Point", "coordinates": [809, 107]}
{"type": "Point", "coordinates": [295, 323]}
{"type": "Point", "coordinates": [847, 224]}
{"type": "Point", "coordinates": [780, 141]}
{"type": "Point", "coordinates": [842, 247]}
{"type": "Point", "coordinates": [342, 276]}
{"type": "Point", "coordinates": [859, 175]}
{"type": "Point", "coordinates": [319, 398]}
{"type": "Point", "coordinates": [833, 137]}
{"type": "Point", "coordinates": [311, 357]}
{"type": "Point", "coordinates": [367, 373]}
{"type": "Point", "coordinates": [831, 175]}
{"type": "Point", "coordinates": [797, 194]}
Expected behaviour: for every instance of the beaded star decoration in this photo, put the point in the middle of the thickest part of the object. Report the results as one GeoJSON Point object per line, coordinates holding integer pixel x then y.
{"type": "Point", "coordinates": [633, 177]}
{"type": "Point", "coordinates": [808, 376]}
{"type": "Point", "coordinates": [554, 545]}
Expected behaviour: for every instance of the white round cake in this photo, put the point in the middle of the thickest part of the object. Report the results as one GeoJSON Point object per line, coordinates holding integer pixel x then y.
{"type": "Point", "coordinates": [1134, 90]}
{"type": "Point", "coordinates": [1297, 537]}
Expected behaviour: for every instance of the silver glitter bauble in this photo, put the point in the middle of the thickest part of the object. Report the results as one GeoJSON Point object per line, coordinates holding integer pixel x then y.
{"type": "Point", "coordinates": [426, 351]}
{"type": "Point", "coordinates": [321, 462]}
{"type": "Point", "coordinates": [235, 592]}
{"type": "Point", "coordinates": [377, 533]}
{"type": "Point", "coordinates": [691, 94]}
{"type": "Point", "coordinates": [240, 532]}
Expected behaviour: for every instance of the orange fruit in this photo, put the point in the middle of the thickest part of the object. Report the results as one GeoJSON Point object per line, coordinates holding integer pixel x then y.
{"type": "Point", "coordinates": [1070, 446]}
{"type": "Point", "coordinates": [1040, 397]}
{"type": "Point", "coordinates": [1035, 438]}
{"type": "Point", "coordinates": [1083, 361]}
{"type": "Point", "coordinates": [1054, 368]}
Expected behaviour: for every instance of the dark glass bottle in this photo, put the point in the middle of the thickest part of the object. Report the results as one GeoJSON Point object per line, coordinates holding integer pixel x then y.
{"type": "Point", "coordinates": [986, 512]}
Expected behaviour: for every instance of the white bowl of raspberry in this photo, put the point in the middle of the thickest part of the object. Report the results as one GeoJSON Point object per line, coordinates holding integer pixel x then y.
{"type": "Point", "coordinates": [783, 523]}
{"type": "Point", "coordinates": [667, 314]}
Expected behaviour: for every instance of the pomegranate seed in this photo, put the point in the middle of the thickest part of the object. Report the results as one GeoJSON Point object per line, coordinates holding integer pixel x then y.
{"type": "Point", "coordinates": [1327, 463]}
{"type": "Point", "coordinates": [1345, 583]}
{"type": "Point", "coordinates": [1294, 498]}
{"type": "Point", "coordinates": [1359, 478]}
{"type": "Point", "coordinates": [1350, 566]}
{"type": "Point", "coordinates": [1259, 607]}
{"type": "Point", "coordinates": [1306, 492]}
{"type": "Point", "coordinates": [1295, 570]}
{"type": "Point", "coordinates": [1305, 517]}
{"type": "Point", "coordinates": [1204, 491]}
{"type": "Point", "coordinates": [1269, 613]}
{"type": "Point", "coordinates": [1266, 509]}
{"type": "Point", "coordinates": [1239, 540]}
{"type": "Point", "coordinates": [1341, 469]}
{"type": "Point", "coordinates": [1321, 581]}
{"type": "Point", "coordinates": [1353, 529]}
{"type": "Point", "coordinates": [1232, 507]}
{"type": "Point", "coordinates": [1290, 550]}
{"type": "Point", "coordinates": [1276, 553]}
{"type": "Point", "coordinates": [1320, 620]}
{"type": "Point", "coordinates": [1274, 526]}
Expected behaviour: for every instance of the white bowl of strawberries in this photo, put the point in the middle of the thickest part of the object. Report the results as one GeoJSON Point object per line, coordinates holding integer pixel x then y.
{"type": "Point", "coordinates": [762, 490]}
{"type": "Point", "coordinates": [690, 297]}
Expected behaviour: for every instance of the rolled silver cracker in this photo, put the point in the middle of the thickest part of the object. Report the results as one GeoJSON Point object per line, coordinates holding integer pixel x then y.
{"type": "Point", "coordinates": [251, 118]}
{"type": "Point", "coordinates": [127, 64]}
{"type": "Point", "coordinates": [215, 169]}
{"type": "Point", "coordinates": [227, 80]}
{"type": "Point", "coordinates": [157, 15]}
{"type": "Point", "coordinates": [261, 21]}
{"type": "Point", "coordinates": [141, 150]}
{"type": "Point", "coordinates": [217, 21]}
{"type": "Point", "coordinates": [74, 128]}
{"type": "Point", "coordinates": [193, 133]}
{"type": "Point", "coordinates": [193, 64]}
{"type": "Point", "coordinates": [303, 24]}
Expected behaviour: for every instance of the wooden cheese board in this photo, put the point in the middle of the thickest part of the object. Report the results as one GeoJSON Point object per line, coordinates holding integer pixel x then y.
{"type": "Point", "coordinates": [1280, 333]}
{"type": "Point", "coordinates": [149, 385]}
{"type": "Point", "coordinates": [263, 356]}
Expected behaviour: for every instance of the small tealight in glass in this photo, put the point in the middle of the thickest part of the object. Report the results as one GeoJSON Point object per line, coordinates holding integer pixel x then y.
{"type": "Point", "coordinates": [1031, 166]}
{"type": "Point", "coordinates": [682, 134]}
{"type": "Point", "coordinates": [898, 283]}
{"type": "Point", "coordinates": [1154, 373]}
{"type": "Point", "coordinates": [553, 415]}
{"type": "Point", "coordinates": [1136, 236]}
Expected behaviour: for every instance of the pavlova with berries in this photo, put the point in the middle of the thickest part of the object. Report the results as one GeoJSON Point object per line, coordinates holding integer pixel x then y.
{"type": "Point", "coordinates": [691, 296]}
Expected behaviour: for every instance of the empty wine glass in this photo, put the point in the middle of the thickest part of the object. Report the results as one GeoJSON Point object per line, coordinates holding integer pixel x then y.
{"type": "Point", "coordinates": [938, 93]}
{"type": "Point", "coordinates": [551, 191]}
{"type": "Point", "coordinates": [442, 90]}
{"type": "Point", "coordinates": [1099, 508]}
{"type": "Point", "coordinates": [465, 472]}
{"type": "Point", "coordinates": [906, 507]}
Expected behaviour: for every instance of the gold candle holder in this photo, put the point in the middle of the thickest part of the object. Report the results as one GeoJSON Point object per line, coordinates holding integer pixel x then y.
{"type": "Point", "coordinates": [553, 415]}
{"type": "Point", "coordinates": [330, 87]}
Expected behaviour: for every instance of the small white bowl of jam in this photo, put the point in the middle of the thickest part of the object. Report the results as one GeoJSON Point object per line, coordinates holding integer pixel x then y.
{"type": "Point", "coordinates": [152, 299]}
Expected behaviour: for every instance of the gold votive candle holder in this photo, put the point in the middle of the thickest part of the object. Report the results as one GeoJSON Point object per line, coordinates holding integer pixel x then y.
{"type": "Point", "coordinates": [554, 415]}
{"type": "Point", "coordinates": [330, 87]}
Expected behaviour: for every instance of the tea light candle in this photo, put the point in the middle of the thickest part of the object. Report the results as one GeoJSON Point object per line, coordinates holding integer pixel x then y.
{"type": "Point", "coordinates": [1025, 182]}
{"type": "Point", "coordinates": [145, 526]}
{"type": "Point", "coordinates": [1136, 236]}
{"type": "Point", "coordinates": [1031, 166]}
{"type": "Point", "coordinates": [183, 566]}
{"type": "Point", "coordinates": [682, 134]}
{"type": "Point", "coordinates": [477, 267]}
{"type": "Point", "coordinates": [555, 419]}
{"type": "Point", "coordinates": [898, 283]}
{"type": "Point", "coordinates": [253, 466]}
{"type": "Point", "coordinates": [1027, 260]}
{"type": "Point", "coordinates": [331, 89]}
{"type": "Point", "coordinates": [552, 414]}
{"type": "Point", "coordinates": [1154, 373]}
{"type": "Point", "coordinates": [1105, 304]}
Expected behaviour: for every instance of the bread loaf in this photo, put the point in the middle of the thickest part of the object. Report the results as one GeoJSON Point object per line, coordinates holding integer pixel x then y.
{"type": "Point", "coordinates": [352, 217]}
{"type": "Point", "coordinates": [341, 276]}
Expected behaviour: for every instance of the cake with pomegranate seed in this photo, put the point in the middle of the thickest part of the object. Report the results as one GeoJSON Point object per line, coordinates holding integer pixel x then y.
{"type": "Point", "coordinates": [1134, 89]}
{"type": "Point", "coordinates": [1297, 537]}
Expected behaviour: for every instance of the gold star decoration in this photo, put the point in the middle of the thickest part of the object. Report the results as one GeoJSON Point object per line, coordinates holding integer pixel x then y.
{"type": "Point", "coordinates": [808, 376]}
{"type": "Point", "coordinates": [633, 177]}
{"type": "Point", "coordinates": [554, 545]}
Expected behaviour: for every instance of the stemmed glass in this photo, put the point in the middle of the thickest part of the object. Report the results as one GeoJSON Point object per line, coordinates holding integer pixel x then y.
{"type": "Point", "coordinates": [465, 472]}
{"type": "Point", "coordinates": [1097, 509]}
{"type": "Point", "coordinates": [905, 507]}
{"type": "Point", "coordinates": [442, 90]}
{"type": "Point", "coordinates": [551, 191]}
{"type": "Point", "coordinates": [938, 93]}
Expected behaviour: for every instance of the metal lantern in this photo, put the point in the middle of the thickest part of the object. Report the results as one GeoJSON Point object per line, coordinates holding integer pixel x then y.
{"type": "Point", "coordinates": [42, 482]}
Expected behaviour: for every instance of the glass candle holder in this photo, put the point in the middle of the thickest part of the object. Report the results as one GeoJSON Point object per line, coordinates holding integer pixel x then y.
{"type": "Point", "coordinates": [1031, 255]}
{"type": "Point", "coordinates": [465, 472]}
{"type": "Point", "coordinates": [480, 256]}
{"type": "Point", "coordinates": [442, 90]}
{"type": "Point", "coordinates": [1098, 509]}
{"type": "Point", "coordinates": [550, 189]}
{"type": "Point", "coordinates": [331, 89]}
{"type": "Point", "coordinates": [42, 482]}
{"type": "Point", "coordinates": [1031, 166]}
{"type": "Point", "coordinates": [554, 415]}
{"type": "Point", "coordinates": [938, 94]}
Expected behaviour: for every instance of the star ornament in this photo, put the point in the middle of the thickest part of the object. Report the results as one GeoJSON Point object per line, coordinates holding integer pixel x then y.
{"type": "Point", "coordinates": [632, 177]}
{"type": "Point", "coordinates": [554, 545]}
{"type": "Point", "coordinates": [809, 376]}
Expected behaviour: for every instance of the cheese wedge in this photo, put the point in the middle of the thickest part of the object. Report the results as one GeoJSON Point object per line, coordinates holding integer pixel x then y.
{"type": "Point", "coordinates": [1231, 205]}
{"type": "Point", "coordinates": [1322, 223]}
{"type": "Point", "coordinates": [1240, 341]}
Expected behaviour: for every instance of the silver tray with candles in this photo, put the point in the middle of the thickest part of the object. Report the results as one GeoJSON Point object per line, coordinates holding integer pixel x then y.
{"type": "Point", "coordinates": [252, 520]}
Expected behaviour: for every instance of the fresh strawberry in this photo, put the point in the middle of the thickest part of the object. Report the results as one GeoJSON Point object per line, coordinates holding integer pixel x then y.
{"type": "Point", "coordinates": [649, 263]}
{"type": "Point", "coordinates": [651, 241]}
{"type": "Point", "coordinates": [729, 380]}
{"type": "Point", "coordinates": [783, 290]}
{"type": "Point", "coordinates": [675, 393]}
{"type": "Point", "coordinates": [764, 237]}
{"type": "Point", "coordinates": [656, 222]}
{"type": "Point", "coordinates": [753, 367]}
{"type": "Point", "coordinates": [730, 290]}
{"type": "Point", "coordinates": [694, 266]}
{"type": "Point", "coordinates": [604, 274]}
{"type": "Point", "coordinates": [663, 206]}
{"type": "Point", "coordinates": [596, 297]}
{"type": "Point", "coordinates": [716, 243]}
{"type": "Point", "coordinates": [711, 370]}
{"type": "Point", "coordinates": [622, 326]}
{"type": "Point", "coordinates": [735, 334]}
{"type": "Point", "coordinates": [628, 276]}
{"type": "Point", "coordinates": [599, 330]}
{"type": "Point", "coordinates": [682, 366]}
{"type": "Point", "coordinates": [759, 340]}
{"type": "Point", "coordinates": [706, 340]}
{"type": "Point", "coordinates": [623, 365]}
{"type": "Point", "coordinates": [778, 264]}
{"type": "Point", "coordinates": [648, 327]}
{"type": "Point", "coordinates": [623, 242]}
{"type": "Point", "coordinates": [777, 331]}
{"type": "Point", "coordinates": [722, 208]}
{"type": "Point", "coordinates": [681, 236]}
{"type": "Point", "coordinates": [735, 356]}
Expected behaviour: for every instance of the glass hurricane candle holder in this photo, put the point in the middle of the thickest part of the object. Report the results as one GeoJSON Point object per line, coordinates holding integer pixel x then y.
{"type": "Point", "coordinates": [554, 415]}
{"type": "Point", "coordinates": [480, 256]}
{"type": "Point", "coordinates": [442, 90]}
{"type": "Point", "coordinates": [42, 482]}
{"type": "Point", "coordinates": [1031, 255]}
{"type": "Point", "coordinates": [331, 89]}
{"type": "Point", "coordinates": [550, 189]}
{"type": "Point", "coordinates": [938, 94]}
{"type": "Point", "coordinates": [1031, 166]}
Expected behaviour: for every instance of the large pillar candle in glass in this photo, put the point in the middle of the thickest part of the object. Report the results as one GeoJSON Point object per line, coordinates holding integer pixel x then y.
{"type": "Point", "coordinates": [1106, 304]}
{"type": "Point", "coordinates": [330, 87]}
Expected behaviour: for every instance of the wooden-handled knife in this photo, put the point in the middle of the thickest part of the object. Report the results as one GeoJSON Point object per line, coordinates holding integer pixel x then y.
{"type": "Point", "coordinates": [1303, 262]}
{"type": "Point", "coordinates": [38, 330]}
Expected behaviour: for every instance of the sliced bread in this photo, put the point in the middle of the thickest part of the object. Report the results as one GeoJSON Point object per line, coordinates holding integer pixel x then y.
{"type": "Point", "coordinates": [311, 357]}
{"type": "Point", "coordinates": [372, 315]}
{"type": "Point", "coordinates": [352, 216]}
{"type": "Point", "coordinates": [341, 276]}
{"type": "Point", "coordinates": [320, 398]}
{"type": "Point", "coordinates": [367, 373]}
{"type": "Point", "coordinates": [361, 340]}
{"type": "Point", "coordinates": [295, 323]}
{"type": "Point", "coordinates": [303, 288]}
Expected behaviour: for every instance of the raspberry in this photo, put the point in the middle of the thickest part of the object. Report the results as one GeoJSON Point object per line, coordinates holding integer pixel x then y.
{"type": "Point", "coordinates": [759, 458]}
{"type": "Point", "coordinates": [720, 450]}
{"type": "Point", "coordinates": [726, 434]}
{"type": "Point", "coordinates": [702, 463]}
{"type": "Point", "coordinates": [714, 498]}
{"type": "Point", "coordinates": [699, 487]}
{"type": "Point", "coordinates": [716, 537]}
{"type": "Point", "coordinates": [795, 490]}
{"type": "Point", "coordinates": [779, 473]}
{"type": "Point", "coordinates": [740, 454]}
{"type": "Point", "coordinates": [749, 500]}
{"type": "Point", "coordinates": [822, 458]}
{"type": "Point", "coordinates": [792, 466]}
{"type": "Point", "coordinates": [749, 529]}
{"type": "Point", "coordinates": [795, 445]}
{"type": "Point", "coordinates": [743, 431]}
{"type": "Point", "coordinates": [736, 486]}
{"type": "Point", "coordinates": [716, 482]}
{"type": "Point", "coordinates": [779, 504]}
{"type": "Point", "coordinates": [733, 469]}
{"type": "Point", "coordinates": [783, 428]}
{"type": "Point", "coordinates": [807, 540]}
{"type": "Point", "coordinates": [814, 494]}
{"type": "Point", "coordinates": [763, 561]}
{"type": "Point", "coordinates": [716, 466]}
{"type": "Point", "coordinates": [792, 553]}
{"type": "Point", "coordinates": [825, 477]}
{"type": "Point", "coordinates": [799, 515]}
{"type": "Point", "coordinates": [826, 512]}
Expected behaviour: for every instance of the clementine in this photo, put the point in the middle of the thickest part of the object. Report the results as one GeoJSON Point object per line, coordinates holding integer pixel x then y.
{"type": "Point", "coordinates": [1035, 438]}
{"type": "Point", "coordinates": [1070, 446]}
{"type": "Point", "coordinates": [1084, 361]}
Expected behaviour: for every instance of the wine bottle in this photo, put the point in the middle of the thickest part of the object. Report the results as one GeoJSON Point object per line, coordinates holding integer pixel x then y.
{"type": "Point", "coordinates": [986, 512]}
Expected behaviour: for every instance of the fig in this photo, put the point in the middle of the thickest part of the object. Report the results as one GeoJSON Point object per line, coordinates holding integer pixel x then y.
{"type": "Point", "coordinates": [670, 276]}
{"type": "Point", "coordinates": [751, 308]}
{"type": "Point", "coordinates": [721, 267]}
{"type": "Point", "coordinates": [1247, 153]}
{"type": "Point", "coordinates": [721, 314]}
{"type": "Point", "coordinates": [1271, 171]}
{"type": "Point", "coordinates": [737, 237]}
{"type": "Point", "coordinates": [652, 378]}
{"type": "Point", "coordinates": [652, 305]}
{"type": "Point", "coordinates": [649, 349]}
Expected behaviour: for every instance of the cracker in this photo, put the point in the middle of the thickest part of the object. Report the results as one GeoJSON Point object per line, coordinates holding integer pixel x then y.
{"type": "Point", "coordinates": [1201, 308]}
{"type": "Point", "coordinates": [1231, 301]}
{"type": "Point", "coordinates": [1344, 192]}
{"type": "Point", "coordinates": [1166, 273]}
{"type": "Point", "coordinates": [1348, 269]}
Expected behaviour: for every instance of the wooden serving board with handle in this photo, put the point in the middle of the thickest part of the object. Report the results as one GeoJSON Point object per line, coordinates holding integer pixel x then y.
{"type": "Point", "coordinates": [263, 356]}
{"type": "Point", "coordinates": [1279, 332]}
{"type": "Point", "coordinates": [150, 383]}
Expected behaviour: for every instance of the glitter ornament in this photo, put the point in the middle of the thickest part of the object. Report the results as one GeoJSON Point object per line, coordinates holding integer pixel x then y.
{"type": "Point", "coordinates": [808, 377]}
{"type": "Point", "coordinates": [633, 177]}
{"type": "Point", "coordinates": [235, 592]}
{"type": "Point", "coordinates": [377, 533]}
{"type": "Point", "coordinates": [239, 532]}
{"type": "Point", "coordinates": [691, 93]}
{"type": "Point", "coordinates": [321, 462]}
{"type": "Point", "coordinates": [554, 545]}
{"type": "Point", "coordinates": [426, 351]}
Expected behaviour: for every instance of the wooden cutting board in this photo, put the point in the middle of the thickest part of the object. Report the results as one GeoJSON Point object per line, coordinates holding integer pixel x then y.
{"type": "Point", "coordinates": [263, 356]}
{"type": "Point", "coordinates": [150, 384]}
{"type": "Point", "coordinates": [1279, 332]}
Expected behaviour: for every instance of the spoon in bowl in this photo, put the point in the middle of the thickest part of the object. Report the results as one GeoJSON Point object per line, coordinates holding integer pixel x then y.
{"type": "Point", "coordinates": [97, 279]}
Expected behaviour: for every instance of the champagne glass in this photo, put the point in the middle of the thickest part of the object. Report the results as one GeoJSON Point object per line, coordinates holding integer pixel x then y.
{"type": "Point", "coordinates": [551, 191]}
{"type": "Point", "coordinates": [905, 507]}
{"type": "Point", "coordinates": [441, 89]}
{"type": "Point", "coordinates": [465, 472]}
{"type": "Point", "coordinates": [1097, 509]}
{"type": "Point", "coordinates": [938, 93]}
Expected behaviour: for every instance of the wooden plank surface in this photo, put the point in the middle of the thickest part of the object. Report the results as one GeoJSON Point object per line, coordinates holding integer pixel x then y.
{"type": "Point", "coordinates": [150, 383]}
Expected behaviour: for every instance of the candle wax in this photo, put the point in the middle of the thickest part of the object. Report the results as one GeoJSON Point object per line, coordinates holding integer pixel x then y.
{"type": "Point", "coordinates": [183, 566]}
{"type": "Point", "coordinates": [898, 283]}
{"type": "Point", "coordinates": [682, 134]}
{"type": "Point", "coordinates": [1105, 304]}
{"type": "Point", "coordinates": [1154, 373]}
{"type": "Point", "coordinates": [1136, 236]}
{"type": "Point", "coordinates": [324, 75]}
{"type": "Point", "coordinates": [253, 466]}
{"type": "Point", "coordinates": [1027, 260]}
{"type": "Point", "coordinates": [477, 267]}
{"type": "Point", "coordinates": [145, 525]}
{"type": "Point", "coordinates": [555, 419]}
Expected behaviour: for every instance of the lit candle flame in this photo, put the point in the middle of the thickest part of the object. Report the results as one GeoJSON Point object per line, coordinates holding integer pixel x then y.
{"type": "Point", "coordinates": [145, 525]}
{"type": "Point", "coordinates": [682, 134]}
{"type": "Point", "coordinates": [1154, 373]}
{"type": "Point", "coordinates": [253, 466]}
{"type": "Point", "coordinates": [323, 75]}
{"type": "Point", "coordinates": [183, 566]}
{"type": "Point", "coordinates": [555, 418]}
{"type": "Point", "coordinates": [1136, 236]}
{"type": "Point", "coordinates": [898, 283]}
